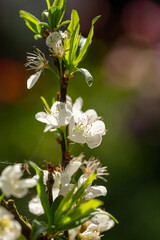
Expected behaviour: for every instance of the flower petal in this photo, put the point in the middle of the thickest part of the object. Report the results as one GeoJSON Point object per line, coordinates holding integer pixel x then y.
{"type": "Point", "coordinates": [92, 115]}
{"type": "Point", "coordinates": [35, 206]}
{"type": "Point", "coordinates": [94, 141]}
{"type": "Point", "coordinates": [42, 117]}
{"type": "Point", "coordinates": [33, 79]}
{"type": "Point", "coordinates": [78, 104]}
{"type": "Point", "coordinates": [72, 168]}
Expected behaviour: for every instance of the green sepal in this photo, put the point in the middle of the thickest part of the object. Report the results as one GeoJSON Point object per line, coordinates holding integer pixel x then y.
{"type": "Point", "coordinates": [87, 75]}
{"type": "Point", "coordinates": [37, 36]}
{"type": "Point", "coordinates": [37, 229]}
{"type": "Point", "coordinates": [30, 20]}
{"type": "Point", "coordinates": [41, 190]}
{"type": "Point", "coordinates": [47, 107]}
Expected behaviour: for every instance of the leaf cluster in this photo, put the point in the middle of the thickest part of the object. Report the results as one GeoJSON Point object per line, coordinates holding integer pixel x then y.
{"type": "Point", "coordinates": [54, 15]}
{"type": "Point", "coordinates": [65, 212]}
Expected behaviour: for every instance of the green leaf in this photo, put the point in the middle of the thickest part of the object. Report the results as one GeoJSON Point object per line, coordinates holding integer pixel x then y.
{"type": "Point", "coordinates": [72, 42]}
{"type": "Point", "coordinates": [64, 206]}
{"type": "Point", "coordinates": [41, 190]}
{"type": "Point", "coordinates": [87, 75]}
{"type": "Point", "coordinates": [87, 43]}
{"type": "Point", "coordinates": [48, 3]}
{"type": "Point", "coordinates": [63, 23]}
{"type": "Point", "coordinates": [21, 238]}
{"type": "Point", "coordinates": [80, 212]}
{"type": "Point", "coordinates": [30, 20]}
{"type": "Point", "coordinates": [56, 13]}
{"type": "Point", "coordinates": [37, 229]}
{"type": "Point", "coordinates": [55, 204]}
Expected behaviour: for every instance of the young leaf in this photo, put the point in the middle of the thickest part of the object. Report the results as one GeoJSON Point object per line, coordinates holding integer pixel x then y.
{"type": "Point", "coordinates": [63, 23]}
{"type": "Point", "coordinates": [30, 20]}
{"type": "Point", "coordinates": [48, 3]}
{"type": "Point", "coordinates": [87, 43]}
{"type": "Point", "coordinates": [72, 42]}
{"type": "Point", "coordinates": [62, 5]}
{"type": "Point", "coordinates": [55, 204]}
{"type": "Point", "coordinates": [41, 190]}
{"type": "Point", "coordinates": [37, 229]}
{"type": "Point", "coordinates": [87, 75]}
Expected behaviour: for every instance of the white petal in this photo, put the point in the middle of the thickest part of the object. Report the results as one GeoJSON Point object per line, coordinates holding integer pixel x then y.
{"type": "Point", "coordinates": [28, 182]}
{"type": "Point", "coordinates": [65, 179]}
{"type": "Point", "coordinates": [98, 127]}
{"type": "Point", "coordinates": [77, 137]}
{"type": "Point", "coordinates": [33, 79]}
{"type": "Point", "coordinates": [94, 141]}
{"type": "Point", "coordinates": [92, 115]}
{"type": "Point", "coordinates": [72, 168]}
{"type": "Point", "coordinates": [35, 206]}
{"type": "Point", "coordinates": [103, 221]}
{"type": "Point", "coordinates": [78, 104]}
{"type": "Point", "coordinates": [55, 193]}
{"type": "Point", "coordinates": [96, 191]}
{"type": "Point", "coordinates": [49, 128]}
{"type": "Point", "coordinates": [42, 117]}
{"type": "Point", "coordinates": [64, 190]}
{"type": "Point", "coordinates": [52, 120]}
{"type": "Point", "coordinates": [82, 179]}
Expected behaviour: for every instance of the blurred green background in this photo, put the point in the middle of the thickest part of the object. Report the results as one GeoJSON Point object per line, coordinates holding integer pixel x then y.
{"type": "Point", "coordinates": [125, 61]}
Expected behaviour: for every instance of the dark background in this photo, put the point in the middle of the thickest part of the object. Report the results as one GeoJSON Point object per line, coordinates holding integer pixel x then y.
{"type": "Point", "coordinates": [125, 61]}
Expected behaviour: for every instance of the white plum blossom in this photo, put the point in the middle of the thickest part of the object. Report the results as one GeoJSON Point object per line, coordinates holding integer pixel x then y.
{"type": "Point", "coordinates": [58, 116]}
{"type": "Point", "coordinates": [12, 184]}
{"type": "Point", "coordinates": [10, 229]}
{"type": "Point", "coordinates": [37, 62]}
{"type": "Point", "coordinates": [61, 186]}
{"type": "Point", "coordinates": [102, 220]}
{"type": "Point", "coordinates": [55, 42]}
{"type": "Point", "coordinates": [86, 127]}
{"type": "Point", "coordinates": [99, 223]}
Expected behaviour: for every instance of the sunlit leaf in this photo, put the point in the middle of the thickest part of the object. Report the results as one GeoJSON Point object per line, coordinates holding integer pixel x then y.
{"type": "Point", "coordinates": [78, 213]}
{"type": "Point", "coordinates": [87, 43]}
{"type": "Point", "coordinates": [48, 3]}
{"type": "Point", "coordinates": [41, 190]}
{"type": "Point", "coordinates": [30, 20]}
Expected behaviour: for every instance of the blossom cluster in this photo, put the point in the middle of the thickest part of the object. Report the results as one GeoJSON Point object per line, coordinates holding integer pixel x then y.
{"type": "Point", "coordinates": [11, 184]}
{"type": "Point", "coordinates": [84, 127]}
